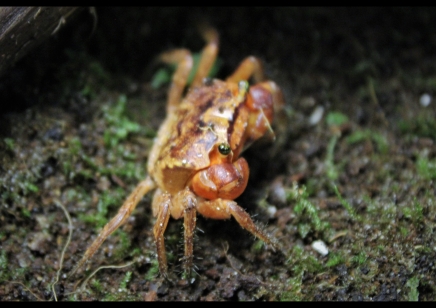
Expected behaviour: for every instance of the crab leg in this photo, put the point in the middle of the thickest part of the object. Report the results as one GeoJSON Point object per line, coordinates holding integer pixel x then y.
{"type": "Point", "coordinates": [245, 221]}
{"type": "Point", "coordinates": [190, 219]}
{"type": "Point", "coordinates": [183, 59]}
{"type": "Point", "coordinates": [163, 215]}
{"type": "Point", "coordinates": [251, 66]}
{"type": "Point", "coordinates": [224, 209]}
{"type": "Point", "coordinates": [208, 55]}
{"type": "Point", "coordinates": [123, 213]}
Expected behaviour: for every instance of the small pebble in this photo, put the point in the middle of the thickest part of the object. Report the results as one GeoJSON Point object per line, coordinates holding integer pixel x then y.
{"type": "Point", "coordinates": [320, 247]}
{"type": "Point", "coordinates": [316, 115]}
{"type": "Point", "coordinates": [271, 211]}
{"type": "Point", "coordinates": [277, 191]}
{"type": "Point", "coordinates": [425, 99]}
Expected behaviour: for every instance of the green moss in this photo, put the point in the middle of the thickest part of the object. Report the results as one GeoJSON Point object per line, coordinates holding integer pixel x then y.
{"type": "Point", "coordinates": [119, 126]}
{"type": "Point", "coordinates": [293, 292]}
{"type": "Point", "coordinates": [331, 170]}
{"type": "Point", "coordinates": [25, 212]}
{"type": "Point", "coordinates": [312, 186]}
{"type": "Point", "coordinates": [295, 193]}
{"type": "Point", "coordinates": [114, 297]}
{"type": "Point", "coordinates": [119, 159]}
{"type": "Point", "coordinates": [345, 204]}
{"type": "Point", "coordinates": [421, 126]}
{"type": "Point", "coordinates": [22, 184]}
{"type": "Point", "coordinates": [414, 212]}
{"type": "Point", "coordinates": [82, 73]}
{"type": "Point", "coordinates": [303, 229]}
{"type": "Point", "coordinates": [95, 283]}
{"type": "Point", "coordinates": [136, 252]}
{"type": "Point", "coordinates": [10, 144]}
{"type": "Point", "coordinates": [19, 273]}
{"type": "Point", "coordinates": [257, 246]}
{"type": "Point", "coordinates": [30, 187]}
{"type": "Point", "coordinates": [335, 259]}
{"type": "Point", "coordinates": [360, 258]}
{"type": "Point", "coordinates": [336, 118]}
{"type": "Point", "coordinates": [372, 207]}
{"type": "Point", "coordinates": [109, 198]}
{"type": "Point", "coordinates": [404, 231]}
{"type": "Point", "coordinates": [293, 285]}
{"type": "Point", "coordinates": [381, 248]}
{"type": "Point", "coordinates": [6, 274]}
{"type": "Point", "coordinates": [74, 146]}
{"type": "Point", "coordinates": [124, 243]}
{"type": "Point", "coordinates": [299, 262]}
{"type": "Point", "coordinates": [4, 265]}
{"type": "Point", "coordinates": [426, 168]}
{"type": "Point", "coordinates": [161, 77]}
{"type": "Point", "coordinates": [363, 135]}
{"type": "Point", "coordinates": [364, 67]}
{"type": "Point", "coordinates": [305, 208]}
{"type": "Point", "coordinates": [71, 156]}
{"type": "Point", "coordinates": [412, 284]}
{"type": "Point", "coordinates": [311, 264]}
{"type": "Point", "coordinates": [125, 281]}
{"type": "Point", "coordinates": [153, 271]}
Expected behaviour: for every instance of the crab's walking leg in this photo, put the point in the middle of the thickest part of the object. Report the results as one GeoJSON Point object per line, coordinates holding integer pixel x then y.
{"type": "Point", "coordinates": [224, 209]}
{"type": "Point", "coordinates": [184, 206]}
{"type": "Point", "coordinates": [123, 213]}
{"type": "Point", "coordinates": [190, 219]}
{"type": "Point", "coordinates": [244, 219]}
{"type": "Point", "coordinates": [208, 55]}
{"type": "Point", "coordinates": [251, 66]}
{"type": "Point", "coordinates": [183, 59]}
{"type": "Point", "coordinates": [163, 215]}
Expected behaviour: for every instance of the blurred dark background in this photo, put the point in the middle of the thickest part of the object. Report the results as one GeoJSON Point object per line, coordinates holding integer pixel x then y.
{"type": "Point", "coordinates": [126, 40]}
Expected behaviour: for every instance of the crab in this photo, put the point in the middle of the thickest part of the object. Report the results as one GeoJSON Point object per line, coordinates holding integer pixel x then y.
{"type": "Point", "coordinates": [195, 164]}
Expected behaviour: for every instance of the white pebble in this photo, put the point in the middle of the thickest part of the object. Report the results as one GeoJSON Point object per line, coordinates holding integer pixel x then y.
{"type": "Point", "coordinates": [425, 99]}
{"type": "Point", "coordinates": [316, 115]}
{"type": "Point", "coordinates": [320, 247]}
{"type": "Point", "coordinates": [271, 210]}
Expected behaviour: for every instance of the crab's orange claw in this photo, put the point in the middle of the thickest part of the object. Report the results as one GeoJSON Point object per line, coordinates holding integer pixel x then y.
{"type": "Point", "coordinates": [260, 97]}
{"type": "Point", "coordinates": [226, 181]}
{"type": "Point", "coordinates": [260, 102]}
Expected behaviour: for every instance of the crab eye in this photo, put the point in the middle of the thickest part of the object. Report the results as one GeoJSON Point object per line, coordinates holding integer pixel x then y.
{"type": "Point", "coordinates": [224, 149]}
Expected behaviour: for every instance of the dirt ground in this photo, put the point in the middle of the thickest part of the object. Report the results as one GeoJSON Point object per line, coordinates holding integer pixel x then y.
{"type": "Point", "coordinates": [347, 187]}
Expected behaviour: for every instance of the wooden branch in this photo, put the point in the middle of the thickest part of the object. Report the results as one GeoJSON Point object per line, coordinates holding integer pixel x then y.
{"type": "Point", "coordinates": [23, 28]}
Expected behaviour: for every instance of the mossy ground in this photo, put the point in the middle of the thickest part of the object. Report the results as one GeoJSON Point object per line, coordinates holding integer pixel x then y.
{"type": "Point", "coordinates": [78, 119]}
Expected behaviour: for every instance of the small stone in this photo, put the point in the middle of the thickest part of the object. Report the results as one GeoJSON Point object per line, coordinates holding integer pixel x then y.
{"type": "Point", "coordinates": [425, 99]}
{"type": "Point", "coordinates": [271, 210]}
{"type": "Point", "coordinates": [320, 247]}
{"type": "Point", "coordinates": [316, 115]}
